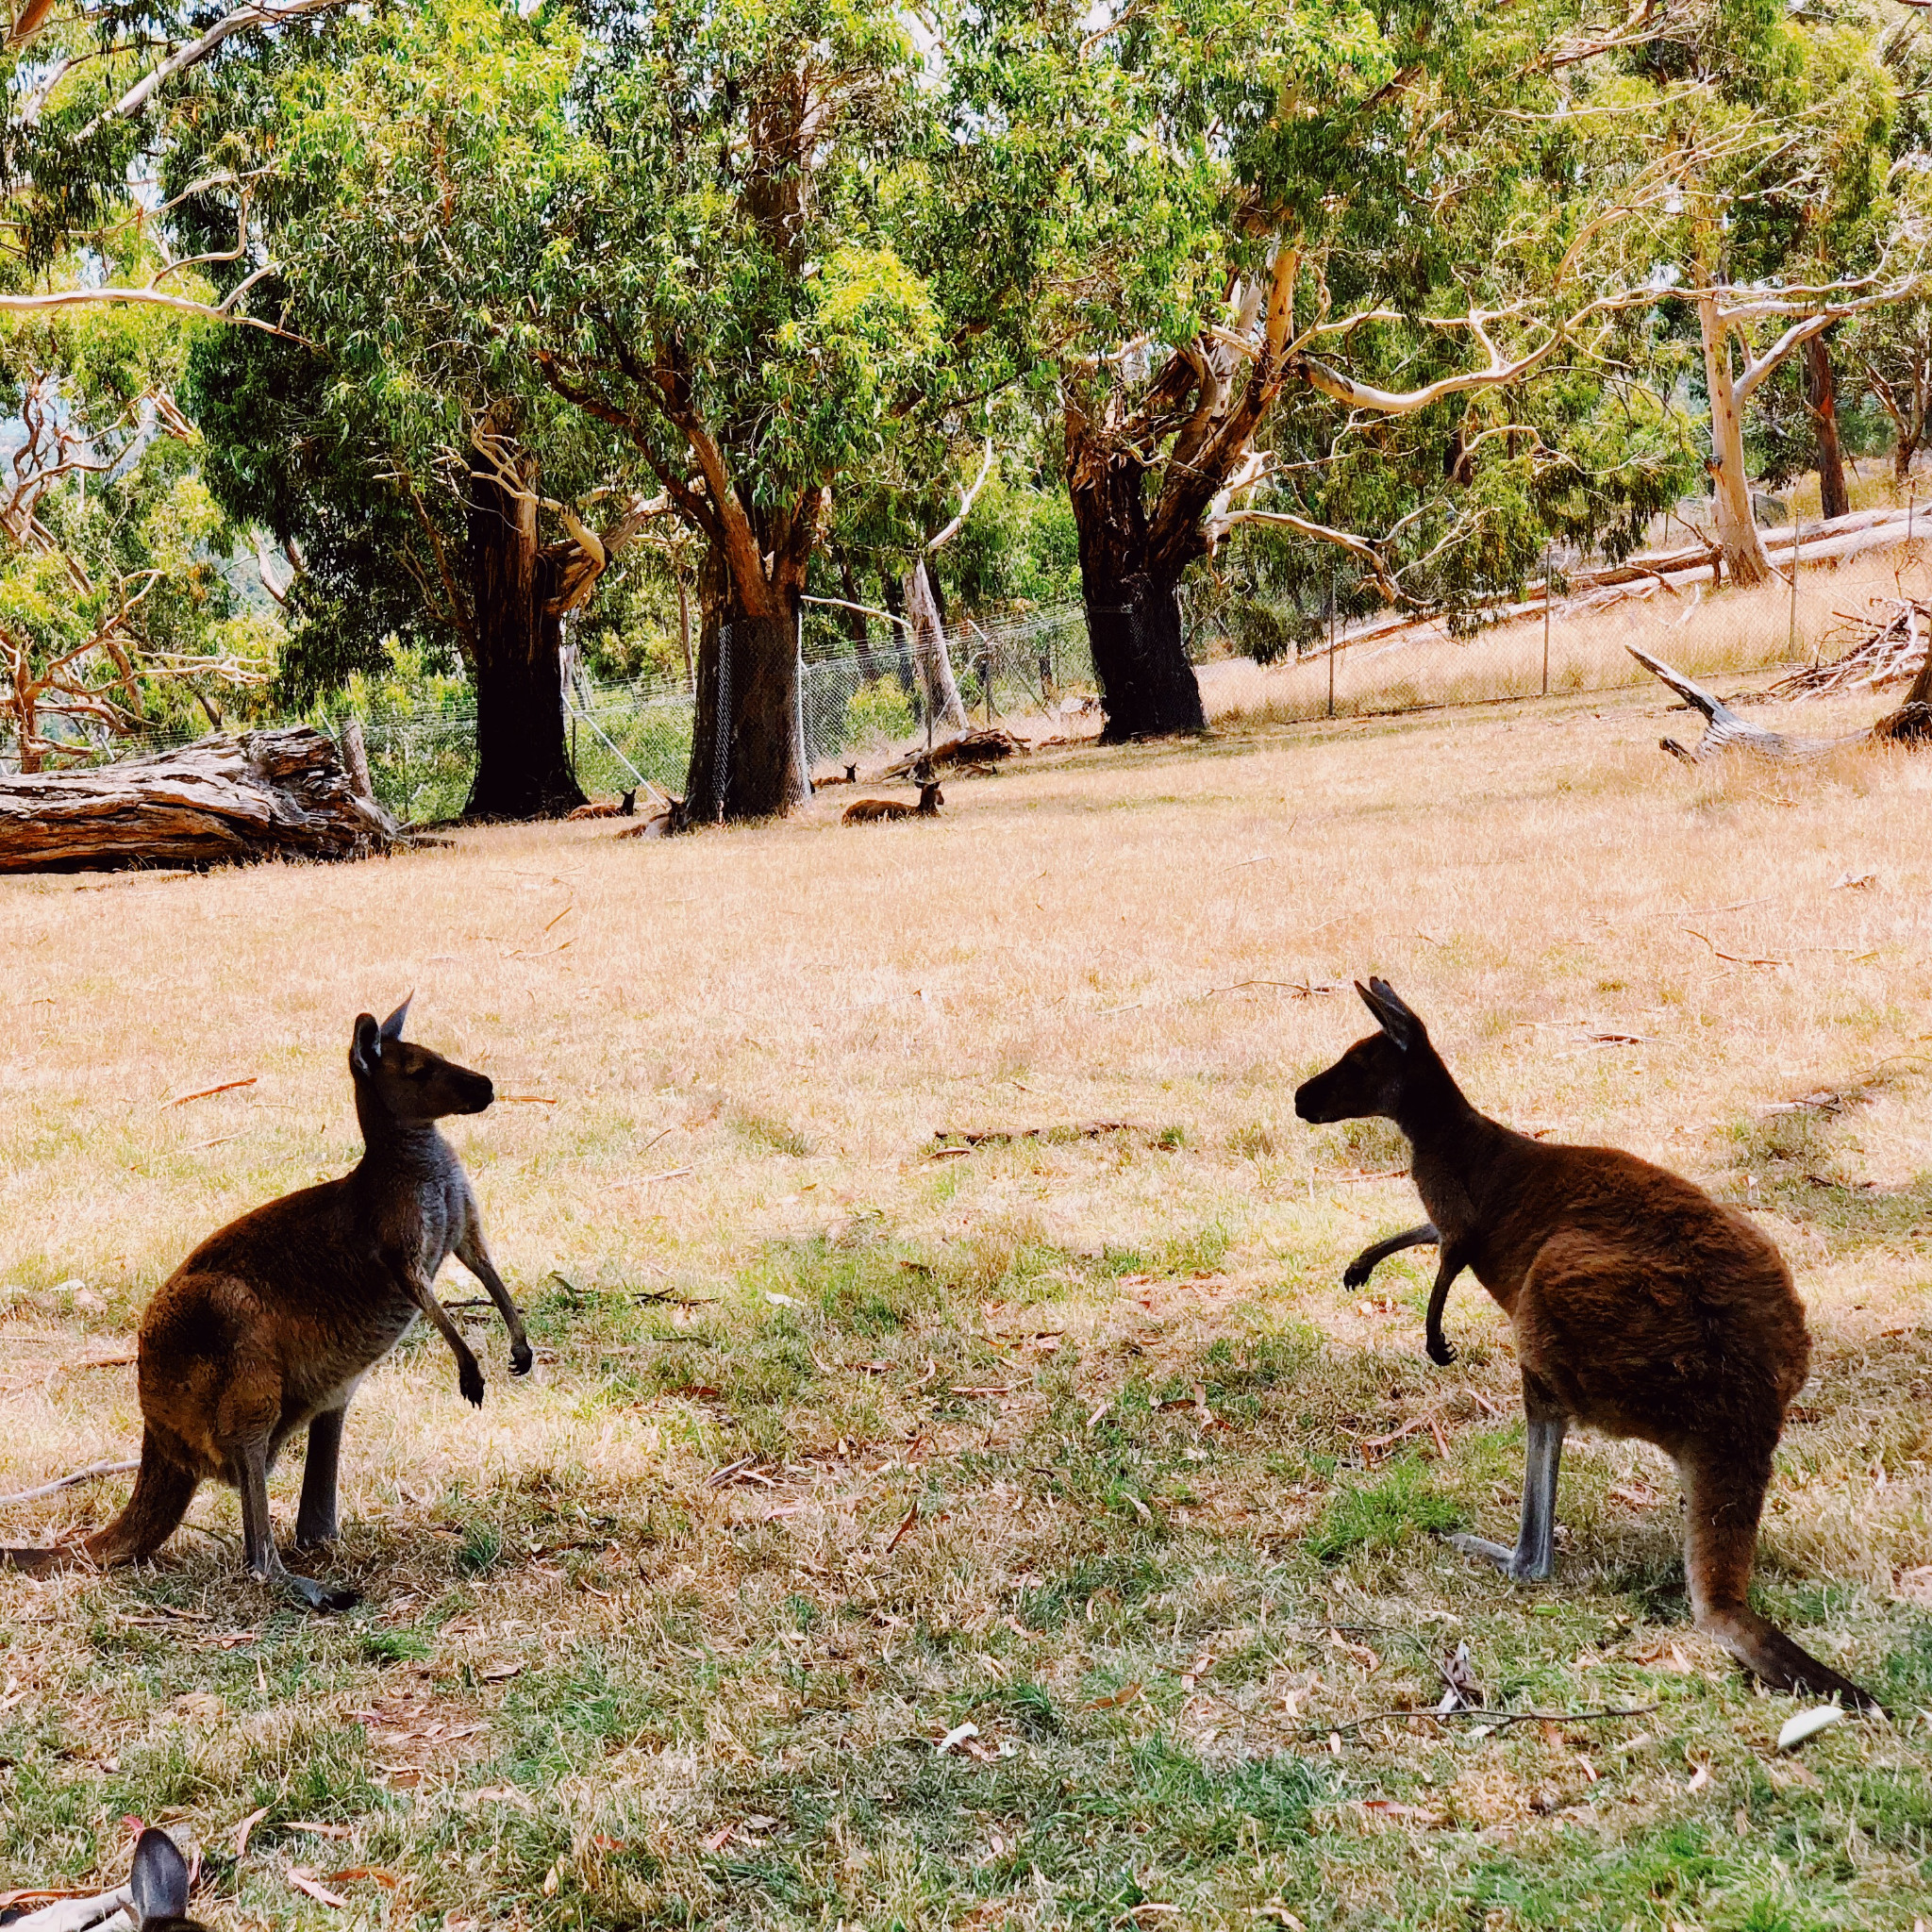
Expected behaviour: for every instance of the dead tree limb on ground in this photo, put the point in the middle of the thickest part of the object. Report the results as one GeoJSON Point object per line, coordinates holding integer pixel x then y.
{"type": "Point", "coordinates": [1724, 731]}
{"type": "Point", "coordinates": [263, 794]}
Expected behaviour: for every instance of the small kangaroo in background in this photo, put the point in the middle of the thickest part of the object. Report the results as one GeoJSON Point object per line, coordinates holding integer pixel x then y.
{"type": "Point", "coordinates": [867, 811]}
{"type": "Point", "coordinates": [269, 1325]}
{"type": "Point", "coordinates": [1640, 1306]}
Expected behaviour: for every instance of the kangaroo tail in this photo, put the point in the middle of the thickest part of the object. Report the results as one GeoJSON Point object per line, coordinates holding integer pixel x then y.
{"type": "Point", "coordinates": [162, 1491]}
{"type": "Point", "coordinates": [1723, 1503]}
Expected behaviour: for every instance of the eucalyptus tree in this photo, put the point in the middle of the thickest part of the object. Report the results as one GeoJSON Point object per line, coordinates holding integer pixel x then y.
{"type": "Point", "coordinates": [113, 609]}
{"type": "Point", "coordinates": [397, 437]}
{"type": "Point", "coordinates": [724, 285]}
{"type": "Point", "coordinates": [1244, 214]}
{"type": "Point", "coordinates": [1740, 163]}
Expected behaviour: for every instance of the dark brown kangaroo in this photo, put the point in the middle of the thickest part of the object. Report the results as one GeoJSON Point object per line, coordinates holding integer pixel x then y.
{"type": "Point", "coordinates": [1640, 1307]}
{"type": "Point", "coordinates": [269, 1326]}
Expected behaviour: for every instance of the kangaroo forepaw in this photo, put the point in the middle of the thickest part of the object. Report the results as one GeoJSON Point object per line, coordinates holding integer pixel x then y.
{"type": "Point", "coordinates": [521, 1356]}
{"type": "Point", "coordinates": [470, 1381]}
{"type": "Point", "coordinates": [1356, 1274]}
{"type": "Point", "coordinates": [1440, 1351]}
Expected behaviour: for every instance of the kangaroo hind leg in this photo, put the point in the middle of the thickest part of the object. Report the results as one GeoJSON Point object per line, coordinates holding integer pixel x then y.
{"type": "Point", "coordinates": [316, 1522]}
{"type": "Point", "coordinates": [258, 1536]}
{"type": "Point", "coordinates": [1724, 1496]}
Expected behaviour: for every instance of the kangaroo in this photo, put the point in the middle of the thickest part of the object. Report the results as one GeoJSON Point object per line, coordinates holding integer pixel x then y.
{"type": "Point", "coordinates": [869, 811]}
{"type": "Point", "coordinates": [626, 808]}
{"type": "Point", "coordinates": [160, 1885]}
{"type": "Point", "coordinates": [851, 778]}
{"type": "Point", "coordinates": [1639, 1306]}
{"type": "Point", "coordinates": [269, 1325]}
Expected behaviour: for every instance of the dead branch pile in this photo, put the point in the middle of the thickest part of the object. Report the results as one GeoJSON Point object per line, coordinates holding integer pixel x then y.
{"type": "Point", "coordinates": [1888, 649]}
{"type": "Point", "coordinates": [264, 794]}
{"type": "Point", "coordinates": [985, 747]}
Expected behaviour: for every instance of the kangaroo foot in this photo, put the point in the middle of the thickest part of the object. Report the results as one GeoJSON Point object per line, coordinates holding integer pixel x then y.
{"type": "Point", "coordinates": [315, 1536]}
{"type": "Point", "coordinates": [305, 1589]}
{"type": "Point", "coordinates": [1518, 1566]}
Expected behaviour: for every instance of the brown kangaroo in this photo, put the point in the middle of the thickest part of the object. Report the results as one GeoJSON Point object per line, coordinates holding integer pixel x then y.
{"type": "Point", "coordinates": [625, 807]}
{"type": "Point", "coordinates": [868, 811]}
{"type": "Point", "coordinates": [851, 778]}
{"type": "Point", "coordinates": [269, 1325]}
{"type": "Point", "coordinates": [1640, 1307]}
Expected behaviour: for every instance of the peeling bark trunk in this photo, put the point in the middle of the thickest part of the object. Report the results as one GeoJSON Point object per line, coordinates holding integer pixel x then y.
{"type": "Point", "coordinates": [747, 754]}
{"type": "Point", "coordinates": [1147, 687]}
{"type": "Point", "coordinates": [939, 689]}
{"type": "Point", "coordinates": [1821, 401]}
{"type": "Point", "coordinates": [523, 759]}
{"type": "Point", "coordinates": [1744, 560]}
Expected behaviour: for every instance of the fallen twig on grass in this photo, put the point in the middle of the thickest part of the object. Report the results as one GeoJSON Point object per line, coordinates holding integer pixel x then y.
{"type": "Point", "coordinates": [1496, 1720]}
{"type": "Point", "coordinates": [208, 1092]}
{"type": "Point", "coordinates": [90, 1473]}
{"type": "Point", "coordinates": [1002, 1137]}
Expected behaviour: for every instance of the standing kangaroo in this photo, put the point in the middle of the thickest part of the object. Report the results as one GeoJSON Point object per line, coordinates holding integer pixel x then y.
{"type": "Point", "coordinates": [1640, 1307]}
{"type": "Point", "coordinates": [269, 1325]}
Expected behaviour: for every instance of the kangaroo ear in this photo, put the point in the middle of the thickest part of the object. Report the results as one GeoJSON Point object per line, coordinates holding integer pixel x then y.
{"type": "Point", "coordinates": [160, 1879]}
{"type": "Point", "coordinates": [393, 1026]}
{"type": "Point", "coordinates": [365, 1050]}
{"type": "Point", "coordinates": [1392, 1016]}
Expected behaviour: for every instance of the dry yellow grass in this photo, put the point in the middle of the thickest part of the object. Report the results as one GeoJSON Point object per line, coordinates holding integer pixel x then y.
{"type": "Point", "coordinates": [1704, 635]}
{"type": "Point", "coordinates": [725, 1060]}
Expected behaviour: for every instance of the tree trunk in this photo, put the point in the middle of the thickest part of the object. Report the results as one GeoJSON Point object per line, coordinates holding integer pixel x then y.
{"type": "Point", "coordinates": [747, 753]}
{"type": "Point", "coordinates": [1743, 549]}
{"type": "Point", "coordinates": [266, 794]}
{"type": "Point", "coordinates": [857, 624]}
{"type": "Point", "coordinates": [1147, 687]}
{"type": "Point", "coordinates": [1820, 399]}
{"type": "Point", "coordinates": [939, 690]}
{"type": "Point", "coordinates": [892, 596]}
{"type": "Point", "coordinates": [522, 759]}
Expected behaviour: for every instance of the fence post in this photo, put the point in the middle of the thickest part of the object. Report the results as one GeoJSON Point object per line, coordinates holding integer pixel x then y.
{"type": "Point", "coordinates": [1791, 639]}
{"type": "Point", "coordinates": [1549, 593]}
{"type": "Point", "coordinates": [1331, 638]}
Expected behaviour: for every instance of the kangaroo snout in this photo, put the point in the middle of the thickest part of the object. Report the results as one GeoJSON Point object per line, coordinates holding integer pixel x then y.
{"type": "Point", "coordinates": [1312, 1102]}
{"type": "Point", "coordinates": [477, 1091]}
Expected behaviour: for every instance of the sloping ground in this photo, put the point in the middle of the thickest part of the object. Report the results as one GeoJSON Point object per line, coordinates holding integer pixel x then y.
{"type": "Point", "coordinates": [846, 1438]}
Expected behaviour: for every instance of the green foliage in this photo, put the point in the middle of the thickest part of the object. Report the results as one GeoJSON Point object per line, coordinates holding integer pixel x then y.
{"type": "Point", "coordinates": [878, 712]}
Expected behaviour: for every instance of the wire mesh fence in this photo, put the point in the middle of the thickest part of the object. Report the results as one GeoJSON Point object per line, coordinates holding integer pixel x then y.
{"type": "Point", "coordinates": [873, 704]}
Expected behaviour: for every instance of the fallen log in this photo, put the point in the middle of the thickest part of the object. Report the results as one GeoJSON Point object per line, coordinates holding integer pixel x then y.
{"type": "Point", "coordinates": [1724, 731]}
{"type": "Point", "coordinates": [971, 748]}
{"type": "Point", "coordinates": [281, 793]}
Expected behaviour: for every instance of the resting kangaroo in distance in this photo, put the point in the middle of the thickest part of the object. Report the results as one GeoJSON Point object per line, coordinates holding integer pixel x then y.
{"type": "Point", "coordinates": [270, 1324]}
{"type": "Point", "coordinates": [851, 778]}
{"type": "Point", "coordinates": [624, 808]}
{"type": "Point", "coordinates": [160, 1885]}
{"type": "Point", "coordinates": [1639, 1306]}
{"type": "Point", "coordinates": [867, 811]}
